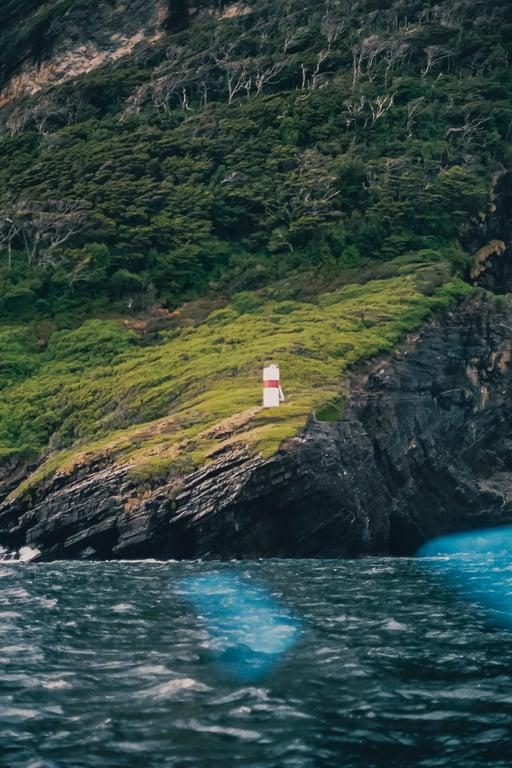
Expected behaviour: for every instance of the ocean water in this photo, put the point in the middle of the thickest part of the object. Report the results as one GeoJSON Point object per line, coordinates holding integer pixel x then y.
{"type": "Point", "coordinates": [374, 662]}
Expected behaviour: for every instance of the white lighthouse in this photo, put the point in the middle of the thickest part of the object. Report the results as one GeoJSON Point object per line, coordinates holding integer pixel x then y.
{"type": "Point", "coordinates": [272, 392]}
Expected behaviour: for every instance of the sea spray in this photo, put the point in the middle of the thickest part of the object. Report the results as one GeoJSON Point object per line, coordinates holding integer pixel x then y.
{"type": "Point", "coordinates": [22, 555]}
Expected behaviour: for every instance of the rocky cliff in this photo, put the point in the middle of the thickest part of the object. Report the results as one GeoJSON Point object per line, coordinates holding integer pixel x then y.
{"type": "Point", "coordinates": [189, 189]}
{"type": "Point", "coordinates": [424, 448]}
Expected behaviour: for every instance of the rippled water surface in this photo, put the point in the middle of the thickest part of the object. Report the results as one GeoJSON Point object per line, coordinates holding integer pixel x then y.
{"type": "Point", "coordinates": [109, 665]}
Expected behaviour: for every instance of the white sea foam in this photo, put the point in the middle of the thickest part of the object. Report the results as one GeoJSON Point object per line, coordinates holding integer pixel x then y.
{"type": "Point", "coordinates": [56, 685]}
{"type": "Point", "coordinates": [395, 626]}
{"type": "Point", "coordinates": [236, 733]}
{"type": "Point", "coordinates": [122, 607]}
{"type": "Point", "coordinates": [18, 713]}
{"type": "Point", "coordinates": [17, 592]}
{"type": "Point", "coordinates": [175, 687]}
{"type": "Point", "coordinates": [26, 554]}
{"type": "Point", "coordinates": [151, 669]}
{"type": "Point", "coordinates": [47, 602]}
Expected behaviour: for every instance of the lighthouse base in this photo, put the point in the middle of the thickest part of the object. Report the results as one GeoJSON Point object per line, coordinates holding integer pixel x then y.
{"type": "Point", "coordinates": [271, 397]}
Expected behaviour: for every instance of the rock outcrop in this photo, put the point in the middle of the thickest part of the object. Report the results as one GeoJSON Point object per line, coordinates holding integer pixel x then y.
{"type": "Point", "coordinates": [424, 448]}
{"type": "Point", "coordinates": [84, 40]}
{"type": "Point", "coordinates": [491, 241]}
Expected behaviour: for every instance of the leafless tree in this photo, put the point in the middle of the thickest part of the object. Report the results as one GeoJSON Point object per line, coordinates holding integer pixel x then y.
{"type": "Point", "coordinates": [265, 76]}
{"type": "Point", "coordinates": [304, 73]}
{"type": "Point", "coordinates": [184, 99]}
{"type": "Point", "coordinates": [364, 56]}
{"type": "Point", "coordinates": [473, 133]}
{"type": "Point", "coordinates": [45, 108]}
{"type": "Point", "coordinates": [45, 226]}
{"type": "Point", "coordinates": [356, 64]}
{"type": "Point", "coordinates": [312, 81]}
{"type": "Point", "coordinates": [435, 55]}
{"type": "Point", "coordinates": [73, 108]}
{"type": "Point", "coordinates": [376, 47]}
{"type": "Point", "coordinates": [315, 186]}
{"type": "Point", "coordinates": [309, 201]}
{"type": "Point", "coordinates": [318, 77]}
{"type": "Point", "coordinates": [61, 220]}
{"type": "Point", "coordinates": [237, 76]}
{"type": "Point", "coordinates": [414, 109]}
{"type": "Point", "coordinates": [9, 231]}
{"type": "Point", "coordinates": [381, 105]}
{"type": "Point", "coordinates": [163, 89]}
{"type": "Point", "coordinates": [355, 108]}
{"type": "Point", "coordinates": [17, 121]}
{"type": "Point", "coordinates": [293, 37]}
{"type": "Point", "coordinates": [42, 110]}
{"type": "Point", "coordinates": [204, 92]}
{"type": "Point", "coordinates": [444, 14]}
{"type": "Point", "coordinates": [396, 51]}
{"type": "Point", "coordinates": [171, 87]}
{"type": "Point", "coordinates": [134, 103]}
{"type": "Point", "coordinates": [400, 179]}
{"type": "Point", "coordinates": [332, 28]}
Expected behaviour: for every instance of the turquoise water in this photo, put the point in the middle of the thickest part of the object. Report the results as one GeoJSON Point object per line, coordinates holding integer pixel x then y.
{"type": "Point", "coordinates": [375, 662]}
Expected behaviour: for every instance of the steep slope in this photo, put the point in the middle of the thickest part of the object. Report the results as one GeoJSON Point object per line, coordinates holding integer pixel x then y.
{"type": "Point", "coordinates": [424, 448]}
{"type": "Point", "coordinates": [189, 190]}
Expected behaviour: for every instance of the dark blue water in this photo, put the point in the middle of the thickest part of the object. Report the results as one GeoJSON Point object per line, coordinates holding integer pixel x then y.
{"type": "Point", "coordinates": [109, 665]}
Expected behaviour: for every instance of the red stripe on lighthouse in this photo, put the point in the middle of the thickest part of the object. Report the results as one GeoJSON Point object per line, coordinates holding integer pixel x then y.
{"type": "Point", "coordinates": [272, 384]}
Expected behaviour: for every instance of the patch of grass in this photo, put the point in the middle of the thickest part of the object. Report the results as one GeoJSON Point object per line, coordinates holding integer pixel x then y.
{"type": "Point", "coordinates": [94, 391]}
{"type": "Point", "coordinates": [332, 410]}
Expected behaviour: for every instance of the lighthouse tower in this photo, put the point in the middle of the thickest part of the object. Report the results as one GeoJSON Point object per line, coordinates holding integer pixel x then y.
{"type": "Point", "coordinates": [272, 392]}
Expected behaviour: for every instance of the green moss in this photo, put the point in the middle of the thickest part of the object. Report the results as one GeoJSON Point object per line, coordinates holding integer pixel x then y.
{"type": "Point", "coordinates": [332, 410]}
{"type": "Point", "coordinates": [176, 404]}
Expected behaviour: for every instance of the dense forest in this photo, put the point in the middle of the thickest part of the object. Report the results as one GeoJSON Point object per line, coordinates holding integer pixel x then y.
{"type": "Point", "coordinates": [249, 153]}
{"type": "Point", "coordinates": [239, 150]}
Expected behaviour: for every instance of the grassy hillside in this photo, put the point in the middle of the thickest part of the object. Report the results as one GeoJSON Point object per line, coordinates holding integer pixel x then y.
{"type": "Point", "coordinates": [307, 167]}
{"type": "Point", "coordinates": [172, 406]}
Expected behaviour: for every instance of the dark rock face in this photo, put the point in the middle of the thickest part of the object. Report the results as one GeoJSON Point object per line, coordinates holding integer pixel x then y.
{"type": "Point", "coordinates": [495, 271]}
{"type": "Point", "coordinates": [424, 448]}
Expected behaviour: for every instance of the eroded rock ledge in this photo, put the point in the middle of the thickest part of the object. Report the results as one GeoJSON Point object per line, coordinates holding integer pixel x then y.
{"type": "Point", "coordinates": [424, 448]}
